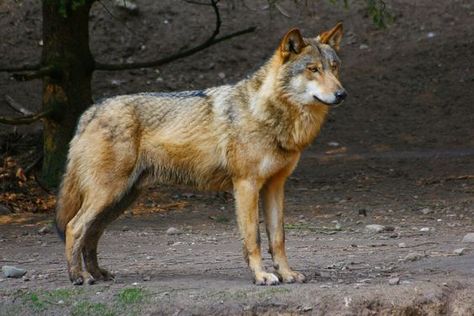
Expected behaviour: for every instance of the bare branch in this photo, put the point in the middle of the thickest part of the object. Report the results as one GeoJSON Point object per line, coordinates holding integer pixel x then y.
{"type": "Point", "coordinates": [23, 120]}
{"type": "Point", "coordinates": [21, 68]}
{"type": "Point", "coordinates": [198, 2]}
{"type": "Point", "coordinates": [39, 73]}
{"type": "Point", "coordinates": [17, 106]}
{"type": "Point", "coordinates": [33, 165]}
{"type": "Point", "coordinates": [119, 20]}
{"type": "Point", "coordinates": [212, 40]}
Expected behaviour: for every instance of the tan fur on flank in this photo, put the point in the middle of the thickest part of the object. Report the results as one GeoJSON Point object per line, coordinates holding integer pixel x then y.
{"type": "Point", "coordinates": [246, 137]}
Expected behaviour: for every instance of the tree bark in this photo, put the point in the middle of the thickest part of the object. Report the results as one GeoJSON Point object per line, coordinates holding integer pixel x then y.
{"type": "Point", "coordinates": [67, 90]}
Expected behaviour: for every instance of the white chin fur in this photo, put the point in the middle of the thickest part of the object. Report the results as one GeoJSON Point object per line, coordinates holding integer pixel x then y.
{"type": "Point", "coordinates": [313, 91]}
{"type": "Point", "coordinates": [307, 91]}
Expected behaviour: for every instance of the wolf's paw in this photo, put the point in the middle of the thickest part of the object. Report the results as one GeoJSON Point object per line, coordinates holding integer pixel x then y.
{"type": "Point", "coordinates": [106, 275]}
{"type": "Point", "coordinates": [290, 276]}
{"type": "Point", "coordinates": [100, 274]}
{"type": "Point", "coordinates": [81, 277]}
{"type": "Point", "coordinates": [265, 278]}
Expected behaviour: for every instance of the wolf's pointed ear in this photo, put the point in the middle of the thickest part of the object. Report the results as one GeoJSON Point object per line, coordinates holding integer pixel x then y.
{"type": "Point", "coordinates": [292, 43]}
{"type": "Point", "coordinates": [332, 37]}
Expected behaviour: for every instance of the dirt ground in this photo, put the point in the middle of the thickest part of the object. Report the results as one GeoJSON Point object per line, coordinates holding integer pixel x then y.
{"type": "Point", "coordinates": [399, 153]}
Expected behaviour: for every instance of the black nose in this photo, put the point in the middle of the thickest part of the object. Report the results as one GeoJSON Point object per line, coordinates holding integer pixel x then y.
{"type": "Point", "coordinates": [341, 95]}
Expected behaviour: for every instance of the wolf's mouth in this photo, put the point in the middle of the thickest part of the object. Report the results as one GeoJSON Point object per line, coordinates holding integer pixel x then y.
{"type": "Point", "coordinates": [328, 104]}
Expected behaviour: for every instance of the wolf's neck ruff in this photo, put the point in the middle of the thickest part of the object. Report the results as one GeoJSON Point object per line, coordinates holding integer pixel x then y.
{"type": "Point", "coordinates": [296, 125]}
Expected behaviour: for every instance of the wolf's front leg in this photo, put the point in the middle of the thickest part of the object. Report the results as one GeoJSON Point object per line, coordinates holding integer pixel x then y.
{"type": "Point", "coordinates": [273, 197]}
{"type": "Point", "coordinates": [246, 197]}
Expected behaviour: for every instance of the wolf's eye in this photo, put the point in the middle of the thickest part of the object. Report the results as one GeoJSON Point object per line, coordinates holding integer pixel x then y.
{"type": "Point", "coordinates": [313, 69]}
{"type": "Point", "coordinates": [333, 67]}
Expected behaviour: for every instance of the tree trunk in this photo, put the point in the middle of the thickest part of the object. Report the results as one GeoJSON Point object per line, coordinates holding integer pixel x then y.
{"type": "Point", "coordinates": [67, 91]}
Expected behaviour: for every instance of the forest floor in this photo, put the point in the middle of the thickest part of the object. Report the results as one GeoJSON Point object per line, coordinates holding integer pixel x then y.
{"type": "Point", "coordinates": [398, 153]}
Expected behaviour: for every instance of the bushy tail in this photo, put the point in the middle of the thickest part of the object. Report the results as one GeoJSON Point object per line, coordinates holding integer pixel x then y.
{"type": "Point", "coordinates": [69, 201]}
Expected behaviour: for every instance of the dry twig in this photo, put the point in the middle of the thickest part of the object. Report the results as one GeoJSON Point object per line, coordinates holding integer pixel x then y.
{"type": "Point", "coordinates": [212, 40]}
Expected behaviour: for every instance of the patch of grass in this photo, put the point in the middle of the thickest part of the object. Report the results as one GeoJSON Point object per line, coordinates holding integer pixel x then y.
{"type": "Point", "coordinates": [61, 294]}
{"type": "Point", "coordinates": [34, 301]}
{"type": "Point", "coordinates": [86, 308]}
{"type": "Point", "coordinates": [40, 301]}
{"type": "Point", "coordinates": [131, 296]}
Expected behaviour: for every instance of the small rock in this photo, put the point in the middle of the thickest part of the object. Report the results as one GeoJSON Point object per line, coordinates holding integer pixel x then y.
{"type": "Point", "coordinates": [459, 251]}
{"type": "Point", "coordinates": [402, 245]}
{"type": "Point", "coordinates": [333, 144]}
{"type": "Point", "coordinates": [115, 82]}
{"type": "Point", "coordinates": [44, 230]}
{"type": "Point", "coordinates": [468, 238]}
{"type": "Point", "coordinates": [426, 211]}
{"type": "Point", "coordinates": [375, 228]}
{"type": "Point", "coordinates": [424, 229]}
{"type": "Point", "coordinates": [4, 210]}
{"type": "Point", "coordinates": [306, 308]}
{"type": "Point", "coordinates": [173, 231]}
{"type": "Point", "coordinates": [221, 75]}
{"type": "Point", "coordinates": [413, 256]}
{"type": "Point", "coordinates": [363, 46]}
{"type": "Point", "coordinates": [128, 5]}
{"type": "Point", "coordinates": [13, 272]}
{"type": "Point", "coordinates": [394, 281]}
{"type": "Point", "coordinates": [146, 278]}
{"type": "Point", "coordinates": [60, 302]}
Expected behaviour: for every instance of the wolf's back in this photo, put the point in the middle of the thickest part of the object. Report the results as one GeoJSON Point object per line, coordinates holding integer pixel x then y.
{"type": "Point", "coordinates": [118, 119]}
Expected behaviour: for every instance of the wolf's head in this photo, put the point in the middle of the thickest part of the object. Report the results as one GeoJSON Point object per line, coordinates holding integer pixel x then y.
{"type": "Point", "coordinates": [309, 71]}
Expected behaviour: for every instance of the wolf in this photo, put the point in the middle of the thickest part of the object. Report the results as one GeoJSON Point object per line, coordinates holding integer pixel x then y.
{"type": "Point", "coordinates": [246, 137]}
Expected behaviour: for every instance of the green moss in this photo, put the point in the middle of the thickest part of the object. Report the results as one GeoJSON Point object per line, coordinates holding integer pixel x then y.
{"type": "Point", "coordinates": [34, 301]}
{"type": "Point", "coordinates": [131, 296]}
{"type": "Point", "coordinates": [87, 308]}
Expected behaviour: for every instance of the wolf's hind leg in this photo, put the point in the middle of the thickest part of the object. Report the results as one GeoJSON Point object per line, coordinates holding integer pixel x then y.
{"type": "Point", "coordinates": [89, 255]}
{"type": "Point", "coordinates": [75, 233]}
{"type": "Point", "coordinates": [89, 251]}
{"type": "Point", "coordinates": [95, 209]}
